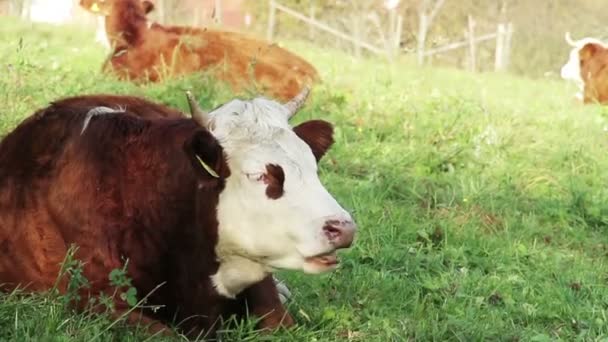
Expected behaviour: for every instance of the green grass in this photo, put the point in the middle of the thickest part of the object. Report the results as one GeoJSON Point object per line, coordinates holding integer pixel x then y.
{"type": "Point", "coordinates": [482, 200]}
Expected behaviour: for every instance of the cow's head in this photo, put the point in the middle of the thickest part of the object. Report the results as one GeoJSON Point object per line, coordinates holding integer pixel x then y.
{"type": "Point", "coordinates": [273, 210]}
{"type": "Point", "coordinates": [105, 7]}
{"type": "Point", "coordinates": [582, 51]}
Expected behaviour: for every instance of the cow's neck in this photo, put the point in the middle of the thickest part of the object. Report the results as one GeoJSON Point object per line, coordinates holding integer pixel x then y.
{"type": "Point", "coordinates": [234, 269]}
{"type": "Point", "coordinates": [237, 273]}
{"type": "Point", "coordinates": [125, 28]}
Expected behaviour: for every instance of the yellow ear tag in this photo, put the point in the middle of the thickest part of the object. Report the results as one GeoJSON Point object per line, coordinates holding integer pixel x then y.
{"type": "Point", "coordinates": [94, 8]}
{"type": "Point", "coordinates": [207, 168]}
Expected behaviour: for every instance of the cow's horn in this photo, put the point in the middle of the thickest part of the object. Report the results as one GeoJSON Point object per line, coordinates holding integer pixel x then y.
{"type": "Point", "coordinates": [198, 115]}
{"type": "Point", "coordinates": [294, 105]}
{"type": "Point", "coordinates": [569, 39]}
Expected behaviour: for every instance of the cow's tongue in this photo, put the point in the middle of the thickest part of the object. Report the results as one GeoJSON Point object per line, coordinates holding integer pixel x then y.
{"type": "Point", "coordinates": [324, 259]}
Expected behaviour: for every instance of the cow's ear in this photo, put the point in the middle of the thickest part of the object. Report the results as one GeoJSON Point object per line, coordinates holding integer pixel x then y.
{"type": "Point", "coordinates": [318, 134]}
{"type": "Point", "coordinates": [588, 50]}
{"type": "Point", "coordinates": [206, 156]}
{"type": "Point", "coordinates": [148, 6]}
{"type": "Point", "coordinates": [95, 6]}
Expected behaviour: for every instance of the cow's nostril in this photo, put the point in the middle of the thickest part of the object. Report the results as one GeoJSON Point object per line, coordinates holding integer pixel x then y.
{"type": "Point", "coordinates": [332, 232]}
{"type": "Point", "coordinates": [340, 233]}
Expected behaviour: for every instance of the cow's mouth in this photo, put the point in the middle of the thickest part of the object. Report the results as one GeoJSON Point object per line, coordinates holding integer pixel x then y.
{"type": "Point", "coordinates": [325, 260]}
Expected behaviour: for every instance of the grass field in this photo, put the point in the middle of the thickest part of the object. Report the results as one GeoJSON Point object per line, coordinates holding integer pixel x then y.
{"type": "Point", "coordinates": [482, 200]}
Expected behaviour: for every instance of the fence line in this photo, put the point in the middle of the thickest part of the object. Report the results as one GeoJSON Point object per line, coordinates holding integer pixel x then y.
{"type": "Point", "coordinates": [502, 35]}
{"type": "Point", "coordinates": [456, 45]}
{"type": "Point", "coordinates": [274, 6]}
{"type": "Point", "coordinates": [470, 34]}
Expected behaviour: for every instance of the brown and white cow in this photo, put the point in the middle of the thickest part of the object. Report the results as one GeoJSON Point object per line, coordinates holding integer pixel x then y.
{"type": "Point", "coordinates": [207, 207]}
{"type": "Point", "coordinates": [152, 52]}
{"type": "Point", "coordinates": [587, 68]}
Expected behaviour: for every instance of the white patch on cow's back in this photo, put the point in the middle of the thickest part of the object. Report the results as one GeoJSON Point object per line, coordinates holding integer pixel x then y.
{"type": "Point", "coordinates": [98, 111]}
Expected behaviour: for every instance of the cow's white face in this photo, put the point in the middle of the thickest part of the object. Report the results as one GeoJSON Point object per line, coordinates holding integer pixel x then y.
{"type": "Point", "coordinates": [273, 212]}
{"type": "Point", "coordinates": [571, 71]}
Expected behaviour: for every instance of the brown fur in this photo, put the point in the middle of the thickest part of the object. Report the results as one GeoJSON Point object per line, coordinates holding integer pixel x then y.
{"type": "Point", "coordinates": [318, 134]}
{"type": "Point", "coordinates": [594, 72]}
{"type": "Point", "coordinates": [142, 53]}
{"type": "Point", "coordinates": [274, 178]}
{"type": "Point", "coordinates": [129, 187]}
{"type": "Point", "coordinates": [134, 105]}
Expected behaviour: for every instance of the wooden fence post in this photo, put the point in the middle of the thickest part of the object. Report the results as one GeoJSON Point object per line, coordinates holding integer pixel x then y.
{"type": "Point", "coordinates": [392, 17]}
{"type": "Point", "coordinates": [357, 32]}
{"type": "Point", "coordinates": [425, 19]}
{"type": "Point", "coordinates": [397, 35]}
{"type": "Point", "coordinates": [271, 21]}
{"type": "Point", "coordinates": [507, 45]}
{"type": "Point", "coordinates": [499, 53]}
{"type": "Point", "coordinates": [218, 12]}
{"type": "Point", "coordinates": [311, 28]}
{"type": "Point", "coordinates": [421, 38]}
{"type": "Point", "coordinates": [196, 18]}
{"type": "Point", "coordinates": [472, 52]}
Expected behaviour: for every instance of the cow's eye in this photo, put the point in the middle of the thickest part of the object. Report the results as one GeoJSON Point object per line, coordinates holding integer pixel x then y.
{"type": "Point", "coordinates": [256, 176]}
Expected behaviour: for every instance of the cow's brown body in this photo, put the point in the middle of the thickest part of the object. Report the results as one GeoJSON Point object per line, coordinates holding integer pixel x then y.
{"type": "Point", "coordinates": [156, 52]}
{"type": "Point", "coordinates": [594, 72]}
{"type": "Point", "coordinates": [122, 190]}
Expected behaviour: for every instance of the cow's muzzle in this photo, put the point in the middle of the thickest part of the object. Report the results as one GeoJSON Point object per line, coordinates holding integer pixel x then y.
{"type": "Point", "coordinates": [340, 233]}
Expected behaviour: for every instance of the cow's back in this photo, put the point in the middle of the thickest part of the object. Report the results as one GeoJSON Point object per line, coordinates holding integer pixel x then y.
{"type": "Point", "coordinates": [240, 60]}
{"type": "Point", "coordinates": [108, 189]}
{"type": "Point", "coordinates": [132, 105]}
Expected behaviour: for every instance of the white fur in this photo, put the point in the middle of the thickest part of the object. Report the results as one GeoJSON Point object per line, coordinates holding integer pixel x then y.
{"type": "Point", "coordinates": [236, 274]}
{"type": "Point", "coordinates": [258, 234]}
{"type": "Point", "coordinates": [100, 33]}
{"type": "Point", "coordinates": [571, 71]}
{"type": "Point", "coordinates": [97, 111]}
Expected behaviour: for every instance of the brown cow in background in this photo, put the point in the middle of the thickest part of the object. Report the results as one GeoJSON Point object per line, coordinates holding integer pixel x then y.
{"type": "Point", "coordinates": [153, 52]}
{"type": "Point", "coordinates": [587, 67]}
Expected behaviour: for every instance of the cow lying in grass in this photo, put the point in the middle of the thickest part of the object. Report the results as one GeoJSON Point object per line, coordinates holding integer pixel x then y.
{"type": "Point", "coordinates": [203, 209]}
{"type": "Point", "coordinates": [151, 52]}
{"type": "Point", "coordinates": [587, 68]}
